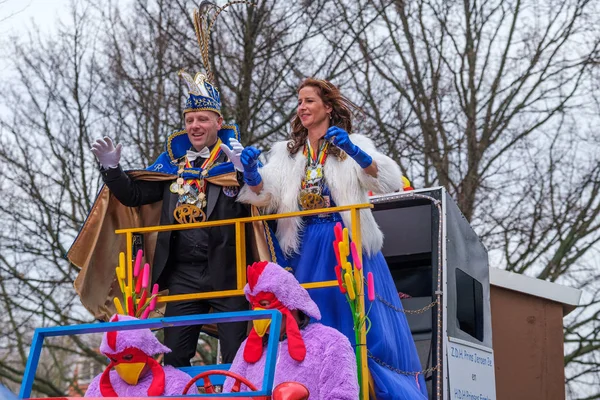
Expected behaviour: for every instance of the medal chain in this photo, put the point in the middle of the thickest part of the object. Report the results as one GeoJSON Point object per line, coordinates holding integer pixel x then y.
{"type": "Point", "coordinates": [314, 162]}
{"type": "Point", "coordinates": [310, 196]}
{"type": "Point", "coordinates": [179, 186]}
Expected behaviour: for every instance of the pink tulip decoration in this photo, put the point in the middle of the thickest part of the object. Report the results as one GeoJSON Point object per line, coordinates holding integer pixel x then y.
{"type": "Point", "coordinates": [138, 263]}
{"type": "Point", "coordinates": [337, 230]}
{"type": "Point", "coordinates": [355, 257]}
{"type": "Point", "coordinates": [146, 275]}
{"type": "Point", "coordinates": [142, 279]}
{"type": "Point", "coordinates": [146, 313]}
{"type": "Point", "coordinates": [370, 287]}
{"type": "Point", "coordinates": [154, 298]}
{"type": "Point", "coordinates": [136, 271]}
{"type": "Point", "coordinates": [152, 304]}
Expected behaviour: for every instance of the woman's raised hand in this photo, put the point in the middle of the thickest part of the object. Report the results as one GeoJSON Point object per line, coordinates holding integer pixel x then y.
{"type": "Point", "coordinates": [249, 159]}
{"type": "Point", "coordinates": [340, 138]}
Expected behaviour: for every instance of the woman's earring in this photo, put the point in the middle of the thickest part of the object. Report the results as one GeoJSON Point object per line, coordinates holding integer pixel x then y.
{"type": "Point", "coordinates": [330, 117]}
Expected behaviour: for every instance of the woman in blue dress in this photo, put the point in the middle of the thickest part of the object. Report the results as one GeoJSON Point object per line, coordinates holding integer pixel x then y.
{"type": "Point", "coordinates": [324, 165]}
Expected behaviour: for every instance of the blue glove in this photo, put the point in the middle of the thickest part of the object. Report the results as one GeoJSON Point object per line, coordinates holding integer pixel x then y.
{"type": "Point", "coordinates": [249, 159]}
{"type": "Point", "coordinates": [340, 138]}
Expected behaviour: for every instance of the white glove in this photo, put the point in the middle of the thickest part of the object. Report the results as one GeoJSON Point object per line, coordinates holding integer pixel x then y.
{"type": "Point", "coordinates": [234, 153]}
{"type": "Point", "coordinates": [106, 153]}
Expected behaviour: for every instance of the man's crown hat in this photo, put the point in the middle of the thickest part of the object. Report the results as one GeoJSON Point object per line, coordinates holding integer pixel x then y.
{"type": "Point", "coordinates": [203, 96]}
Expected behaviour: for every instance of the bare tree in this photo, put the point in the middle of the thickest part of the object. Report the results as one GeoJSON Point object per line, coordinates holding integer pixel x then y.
{"type": "Point", "coordinates": [485, 99]}
{"type": "Point", "coordinates": [12, 11]}
{"type": "Point", "coordinates": [48, 185]}
{"type": "Point", "coordinates": [263, 52]}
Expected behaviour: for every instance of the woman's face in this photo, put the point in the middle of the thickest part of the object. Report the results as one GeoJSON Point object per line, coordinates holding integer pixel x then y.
{"type": "Point", "coordinates": [311, 109]}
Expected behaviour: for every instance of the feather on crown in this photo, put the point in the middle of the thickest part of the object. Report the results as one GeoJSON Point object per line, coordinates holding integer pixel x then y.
{"type": "Point", "coordinates": [203, 95]}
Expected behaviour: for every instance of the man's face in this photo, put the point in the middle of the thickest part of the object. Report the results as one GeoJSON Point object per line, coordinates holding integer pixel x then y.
{"type": "Point", "coordinates": [202, 128]}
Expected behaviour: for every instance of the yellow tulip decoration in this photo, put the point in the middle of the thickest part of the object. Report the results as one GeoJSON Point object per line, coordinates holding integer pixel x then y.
{"type": "Point", "coordinates": [351, 283]}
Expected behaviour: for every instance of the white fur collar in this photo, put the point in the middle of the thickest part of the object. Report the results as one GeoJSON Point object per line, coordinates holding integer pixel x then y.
{"type": "Point", "coordinates": [348, 184]}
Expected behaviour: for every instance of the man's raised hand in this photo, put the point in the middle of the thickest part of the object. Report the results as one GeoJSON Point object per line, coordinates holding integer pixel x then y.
{"type": "Point", "coordinates": [234, 153]}
{"type": "Point", "coordinates": [107, 154]}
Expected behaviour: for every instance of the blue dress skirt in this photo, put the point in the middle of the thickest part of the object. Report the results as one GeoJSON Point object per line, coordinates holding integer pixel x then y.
{"type": "Point", "coordinates": [389, 342]}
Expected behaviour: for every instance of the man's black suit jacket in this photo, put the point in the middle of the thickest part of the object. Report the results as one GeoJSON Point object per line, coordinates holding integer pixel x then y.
{"type": "Point", "coordinates": [221, 246]}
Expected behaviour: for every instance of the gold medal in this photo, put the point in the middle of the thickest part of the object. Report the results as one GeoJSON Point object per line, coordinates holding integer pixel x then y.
{"type": "Point", "coordinates": [180, 181]}
{"type": "Point", "coordinates": [174, 188]}
{"type": "Point", "coordinates": [311, 201]}
{"type": "Point", "coordinates": [188, 213]}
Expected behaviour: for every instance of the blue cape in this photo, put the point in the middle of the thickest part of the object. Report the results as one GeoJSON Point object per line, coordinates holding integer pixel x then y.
{"type": "Point", "coordinates": [178, 144]}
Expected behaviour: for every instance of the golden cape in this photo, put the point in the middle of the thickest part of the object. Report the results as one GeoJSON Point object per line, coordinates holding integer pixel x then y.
{"type": "Point", "coordinates": [96, 249]}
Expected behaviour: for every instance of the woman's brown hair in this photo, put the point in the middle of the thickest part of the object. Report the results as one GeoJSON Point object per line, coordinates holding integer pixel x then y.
{"type": "Point", "coordinates": [341, 114]}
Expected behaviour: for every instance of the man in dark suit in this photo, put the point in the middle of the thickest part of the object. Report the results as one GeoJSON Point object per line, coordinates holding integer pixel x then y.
{"type": "Point", "coordinates": [190, 260]}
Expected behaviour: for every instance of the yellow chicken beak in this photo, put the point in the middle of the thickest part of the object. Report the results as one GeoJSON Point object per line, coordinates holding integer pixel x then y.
{"type": "Point", "coordinates": [130, 372]}
{"type": "Point", "coordinates": [261, 325]}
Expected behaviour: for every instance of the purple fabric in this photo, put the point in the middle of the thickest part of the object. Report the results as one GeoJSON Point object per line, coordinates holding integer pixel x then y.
{"type": "Point", "coordinates": [175, 381]}
{"type": "Point", "coordinates": [328, 371]}
{"type": "Point", "coordinates": [286, 288]}
{"type": "Point", "coordinates": [142, 339]}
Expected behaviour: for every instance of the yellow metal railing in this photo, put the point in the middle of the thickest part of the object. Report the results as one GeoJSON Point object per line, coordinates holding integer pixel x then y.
{"type": "Point", "coordinates": [240, 239]}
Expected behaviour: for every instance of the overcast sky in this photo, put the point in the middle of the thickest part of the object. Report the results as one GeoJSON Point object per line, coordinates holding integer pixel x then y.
{"type": "Point", "coordinates": [18, 16]}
